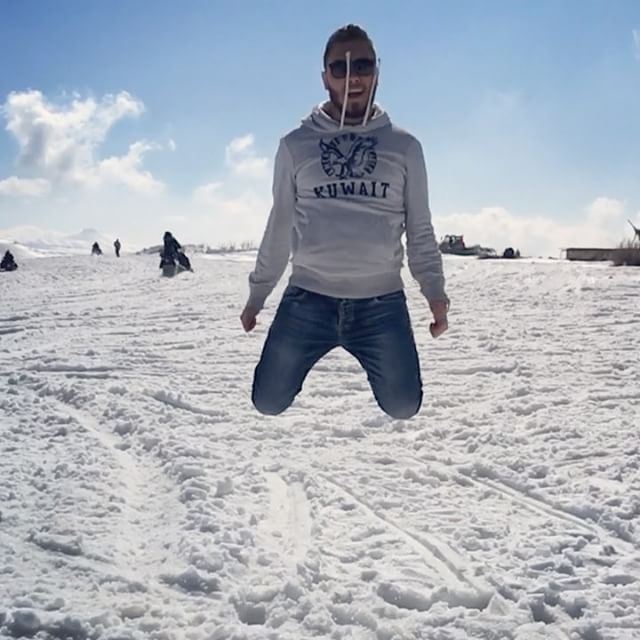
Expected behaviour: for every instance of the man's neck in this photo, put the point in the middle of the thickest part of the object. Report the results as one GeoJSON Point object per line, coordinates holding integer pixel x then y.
{"type": "Point", "coordinates": [334, 113]}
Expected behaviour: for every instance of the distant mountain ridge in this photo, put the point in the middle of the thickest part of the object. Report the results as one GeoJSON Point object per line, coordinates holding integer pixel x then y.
{"type": "Point", "coordinates": [29, 241]}
{"type": "Point", "coordinates": [33, 242]}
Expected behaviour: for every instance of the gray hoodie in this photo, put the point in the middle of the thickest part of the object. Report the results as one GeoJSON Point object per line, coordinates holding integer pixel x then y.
{"type": "Point", "coordinates": [342, 198]}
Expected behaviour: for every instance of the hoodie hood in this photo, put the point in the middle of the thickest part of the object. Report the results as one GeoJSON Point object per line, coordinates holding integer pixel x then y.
{"type": "Point", "coordinates": [320, 121]}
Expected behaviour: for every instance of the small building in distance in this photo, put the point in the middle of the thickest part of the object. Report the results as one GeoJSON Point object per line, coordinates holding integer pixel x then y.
{"type": "Point", "coordinates": [589, 254]}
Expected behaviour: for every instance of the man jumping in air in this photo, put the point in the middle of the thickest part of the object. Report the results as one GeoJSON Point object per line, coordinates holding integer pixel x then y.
{"type": "Point", "coordinates": [347, 185]}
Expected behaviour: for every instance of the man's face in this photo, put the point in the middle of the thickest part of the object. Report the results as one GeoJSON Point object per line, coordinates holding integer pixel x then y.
{"type": "Point", "coordinates": [361, 77]}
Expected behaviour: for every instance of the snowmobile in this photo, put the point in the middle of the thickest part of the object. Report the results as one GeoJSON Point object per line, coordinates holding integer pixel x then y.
{"type": "Point", "coordinates": [8, 262]}
{"type": "Point", "coordinates": [456, 245]}
{"type": "Point", "coordinates": [175, 264]}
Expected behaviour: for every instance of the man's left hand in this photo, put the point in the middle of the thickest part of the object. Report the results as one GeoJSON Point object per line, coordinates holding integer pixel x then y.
{"type": "Point", "coordinates": [440, 324]}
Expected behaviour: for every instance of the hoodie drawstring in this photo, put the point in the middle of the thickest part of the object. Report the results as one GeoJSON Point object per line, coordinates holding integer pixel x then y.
{"type": "Point", "coordinates": [346, 90]}
{"type": "Point", "coordinates": [371, 91]}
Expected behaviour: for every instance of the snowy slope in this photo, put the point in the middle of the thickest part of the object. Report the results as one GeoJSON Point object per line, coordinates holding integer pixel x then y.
{"type": "Point", "coordinates": [141, 496]}
{"type": "Point", "coordinates": [37, 242]}
{"type": "Point", "coordinates": [20, 252]}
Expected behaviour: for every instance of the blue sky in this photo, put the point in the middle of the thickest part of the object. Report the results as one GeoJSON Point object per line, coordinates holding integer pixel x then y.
{"type": "Point", "coordinates": [527, 111]}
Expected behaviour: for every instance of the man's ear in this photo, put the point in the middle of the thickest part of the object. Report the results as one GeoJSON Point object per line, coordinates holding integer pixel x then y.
{"type": "Point", "coordinates": [324, 80]}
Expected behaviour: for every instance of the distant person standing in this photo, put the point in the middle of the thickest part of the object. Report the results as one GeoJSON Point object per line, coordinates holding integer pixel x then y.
{"type": "Point", "coordinates": [95, 249]}
{"type": "Point", "coordinates": [116, 246]}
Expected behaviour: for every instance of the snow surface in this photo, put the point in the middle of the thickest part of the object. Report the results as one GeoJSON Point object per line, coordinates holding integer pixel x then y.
{"type": "Point", "coordinates": [141, 496]}
{"type": "Point", "coordinates": [20, 252]}
{"type": "Point", "coordinates": [32, 242]}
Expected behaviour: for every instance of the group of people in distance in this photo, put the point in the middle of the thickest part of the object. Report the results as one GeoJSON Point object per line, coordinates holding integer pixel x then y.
{"type": "Point", "coordinates": [172, 256]}
{"type": "Point", "coordinates": [97, 251]}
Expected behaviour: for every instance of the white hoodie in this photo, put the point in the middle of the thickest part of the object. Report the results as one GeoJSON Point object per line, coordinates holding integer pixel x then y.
{"type": "Point", "coordinates": [342, 198]}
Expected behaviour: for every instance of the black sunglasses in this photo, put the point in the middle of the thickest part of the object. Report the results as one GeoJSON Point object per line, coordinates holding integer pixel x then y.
{"type": "Point", "coordinates": [359, 67]}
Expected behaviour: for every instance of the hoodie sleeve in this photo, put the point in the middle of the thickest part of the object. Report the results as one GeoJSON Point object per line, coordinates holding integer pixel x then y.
{"type": "Point", "coordinates": [425, 261]}
{"type": "Point", "coordinates": [275, 247]}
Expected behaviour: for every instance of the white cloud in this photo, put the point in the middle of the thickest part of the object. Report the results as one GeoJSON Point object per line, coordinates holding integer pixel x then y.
{"type": "Point", "coordinates": [499, 228]}
{"type": "Point", "coordinates": [127, 170]}
{"type": "Point", "coordinates": [636, 42]}
{"type": "Point", "coordinates": [236, 208]}
{"type": "Point", "coordinates": [61, 141]}
{"type": "Point", "coordinates": [229, 214]}
{"type": "Point", "coordinates": [207, 194]}
{"type": "Point", "coordinates": [19, 187]}
{"type": "Point", "coordinates": [241, 158]}
{"type": "Point", "coordinates": [603, 211]}
{"type": "Point", "coordinates": [172, 144]}
{"type": "Point", "coordinates": [236, 217]}
{"type": "Point", "coordinates": [232, 208]}
{"type": "Point", "coordinates": [243, 143]}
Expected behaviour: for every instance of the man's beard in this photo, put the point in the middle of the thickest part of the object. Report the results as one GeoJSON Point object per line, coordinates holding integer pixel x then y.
{"type": "Point", "coordinates": [337, 98]}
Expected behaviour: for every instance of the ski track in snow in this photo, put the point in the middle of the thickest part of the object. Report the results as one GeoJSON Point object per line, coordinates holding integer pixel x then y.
{"type": "Point", "coordinates": [478, 476]}
{"type": "Point", "coordinates": [141, 496]}
{"type": "Point", "coordinates": [441, 558]}
{"type": "Point", "coordinates": [146, 495]}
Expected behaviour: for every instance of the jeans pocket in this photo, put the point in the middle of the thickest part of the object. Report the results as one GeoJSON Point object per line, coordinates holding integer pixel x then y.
{"type": "Point", "coordinates": [394, 296]}
{"type": "Point", "coordinates": [293, 293]}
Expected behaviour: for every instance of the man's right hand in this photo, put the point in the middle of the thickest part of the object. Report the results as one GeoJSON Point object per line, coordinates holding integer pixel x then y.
{"type": "Point", "coordinates": [248, 318]}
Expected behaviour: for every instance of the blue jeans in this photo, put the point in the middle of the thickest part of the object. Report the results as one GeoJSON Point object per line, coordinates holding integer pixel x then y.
{"type": "Point", "coordinates": [377, 331]}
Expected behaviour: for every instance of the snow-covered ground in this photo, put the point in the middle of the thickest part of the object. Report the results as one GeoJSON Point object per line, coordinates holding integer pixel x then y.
{"type": "Point", "coordinates": [33, 242]}
{"type": "Point", "coordinates": [141, 496]}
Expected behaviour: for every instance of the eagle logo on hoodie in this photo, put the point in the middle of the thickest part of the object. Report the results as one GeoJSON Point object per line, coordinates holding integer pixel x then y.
{"type": "Point", "coordinates": [349, 156]}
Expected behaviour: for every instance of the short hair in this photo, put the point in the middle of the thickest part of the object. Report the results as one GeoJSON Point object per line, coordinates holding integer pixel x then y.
{"type": "Point", "coordinates": [348, 33]}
